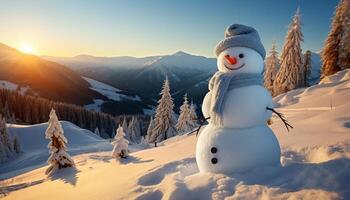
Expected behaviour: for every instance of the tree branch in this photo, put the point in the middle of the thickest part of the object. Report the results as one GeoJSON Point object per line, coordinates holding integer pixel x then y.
{"type": "Point", "coordinates": [203, 120]}
{"type": "Point", "coordinates": [281, 116]}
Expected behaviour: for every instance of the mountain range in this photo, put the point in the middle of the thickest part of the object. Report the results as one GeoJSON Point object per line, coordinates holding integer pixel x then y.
{"type": "Point", "coordinates": [115, 85]}
{"type": "Point", "coordinates": [144, 76]}
{"type": "Point", "coordinates": [45, 78]}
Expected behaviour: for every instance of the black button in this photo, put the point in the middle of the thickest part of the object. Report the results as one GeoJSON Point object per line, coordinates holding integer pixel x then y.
{"type": "Point", "coordinates": [214, 150]}
{"type": "Point", "coordinates": [214, 160]}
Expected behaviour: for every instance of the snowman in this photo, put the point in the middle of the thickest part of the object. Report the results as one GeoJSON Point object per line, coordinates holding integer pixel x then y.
{"type": "Point", "coordinates": [237, 137]}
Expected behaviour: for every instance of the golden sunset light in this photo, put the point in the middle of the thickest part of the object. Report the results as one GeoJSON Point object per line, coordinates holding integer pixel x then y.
{"type": "Point", "coordinates": [27, 48]}
{"type": "Point", "coordinates": [174, 100]}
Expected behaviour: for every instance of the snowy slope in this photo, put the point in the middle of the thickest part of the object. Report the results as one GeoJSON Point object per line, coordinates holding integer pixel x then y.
{"type": "Point", "coordinates": [108, 91]}
{"type": "Point", "coordinates": [34, 146]}
{"type": "Point", "coordinates": [13, 87]}
{"type": "Point", "coordinates": [315, 158]}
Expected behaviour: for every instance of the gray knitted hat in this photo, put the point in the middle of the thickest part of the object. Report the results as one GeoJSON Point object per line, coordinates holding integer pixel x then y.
{"type": "Point", "coordinates": [238, 35]}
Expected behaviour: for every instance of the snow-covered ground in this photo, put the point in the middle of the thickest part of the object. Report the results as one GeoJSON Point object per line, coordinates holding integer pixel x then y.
{"type": "Point", "coordinates": [108, 91]}
{"type": "Point", "coordinates": [315, 159]}
{"type": "Point", "coordinates": [13, 87]}
{"type": "Point", "coordinates": [34, 146]}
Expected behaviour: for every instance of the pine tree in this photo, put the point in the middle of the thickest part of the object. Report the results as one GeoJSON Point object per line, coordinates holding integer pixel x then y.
{"type": "Point", "coordinates": [344, 46]}
{"type": "Point", "coordinates": [272, 65]}
{"type": "Point", "coordinates": [59, 157]}
{"type": "Point", "coordinates": [288, 77]}
{"type": "Point", "coordinates": [164, 118]}
{"type": "Point", "coordinates": [185, 123]}
{"type": "Point", "coordinates": [135, 130]}
{"type": "Point", "coordinates": [150, 129]}
{"type": "Point", "coordinates": [307, 67]}
{"type": "Point", "coordinates": [7, 145]}
{"type": "Point", "coordinates": [193, 114]}
{"type": "Point", "coordinates": [125, 128]}
{"type": "Point", "coordinates": [120, 144]}
{"type": "Point", "coordinates": [336, 52]}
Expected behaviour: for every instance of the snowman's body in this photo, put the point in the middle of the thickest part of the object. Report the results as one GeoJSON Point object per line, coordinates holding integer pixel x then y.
{"type": "Point", "coordinates": [236, 150]}
{"type": "Point", "coordinates": [244, 141]}
{"type": "Point", "coordinates": [244, 107]}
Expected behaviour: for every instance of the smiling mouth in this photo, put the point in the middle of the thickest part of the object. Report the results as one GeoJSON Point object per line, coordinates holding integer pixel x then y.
{"type": "Point", "coordinates": [234, 68]}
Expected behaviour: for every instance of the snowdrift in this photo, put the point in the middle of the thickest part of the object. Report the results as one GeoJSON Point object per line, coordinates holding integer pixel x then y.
{"type": "Point", "coordinates": [315, 159]}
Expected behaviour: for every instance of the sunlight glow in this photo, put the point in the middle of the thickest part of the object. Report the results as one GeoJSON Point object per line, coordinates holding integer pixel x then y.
{"type": "Point", "coordinates": [27, 48]}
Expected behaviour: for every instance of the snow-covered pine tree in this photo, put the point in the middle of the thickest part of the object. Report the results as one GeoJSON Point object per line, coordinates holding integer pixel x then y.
{"type": "Point", "coordinates": [193, 114]}
{"type": "Point", "coordinates": [272, 65]}
{"type": "Point", "coordinates": [135, 130]}
{"type": "Point", "coordinates": [125, 128]}
{"type": "Point", "coordinates": [307, 67]}
{"type": "Point", "coordinates": [344, 46]}
{"type": "Point", "coordinates": [150, 128]}
{"type": "Point", "coordinates": [97, 132]}
{"type": "Point", "coordinates": [120, 144]}
{"type": "Point", "coordinates": [184, 123]}
{"type": "Point", "coordinates": [288, 76]}
{"type": "Point", "coordinates": [57, 147]}
{"type": "Point", "coordinates": [336, 51]}
{"type": "Point", "coordinates": [6, 143]}
{"type": "Point", "coordinates": [164, 118]}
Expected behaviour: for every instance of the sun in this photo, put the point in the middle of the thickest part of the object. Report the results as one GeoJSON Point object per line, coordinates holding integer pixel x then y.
{"type": "Point", "coordinates": [27, 48]}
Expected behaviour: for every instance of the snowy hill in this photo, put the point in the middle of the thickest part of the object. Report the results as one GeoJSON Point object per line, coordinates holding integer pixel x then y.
{"type": "Point", "coordinates": [115, 96]}
{"type": "Point", "coordinates": [34, 146]}
{"type": "Point", "coordinates": [315, 159]}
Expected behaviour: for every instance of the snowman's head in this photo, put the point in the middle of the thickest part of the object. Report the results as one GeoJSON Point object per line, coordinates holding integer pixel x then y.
{"type": "Point", "coordinates": [241, 51]}
{"type": "Point", "coordinates": [240, 60]}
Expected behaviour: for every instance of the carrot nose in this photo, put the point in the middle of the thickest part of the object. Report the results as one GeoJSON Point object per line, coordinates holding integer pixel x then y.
{"type": "Point", "coordinates": [231, 60]}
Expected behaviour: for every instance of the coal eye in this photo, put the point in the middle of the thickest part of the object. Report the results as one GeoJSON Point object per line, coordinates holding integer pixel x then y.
{"type": "Point", "coordinates": [241, 55]}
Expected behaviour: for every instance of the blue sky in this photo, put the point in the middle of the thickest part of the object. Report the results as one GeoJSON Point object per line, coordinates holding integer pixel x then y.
{"type": "Point", "coordinates": [153, 27]}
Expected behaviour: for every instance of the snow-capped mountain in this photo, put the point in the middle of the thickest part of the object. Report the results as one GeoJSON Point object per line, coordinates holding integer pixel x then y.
{"type": "Point", "coordinates": [144, 76]}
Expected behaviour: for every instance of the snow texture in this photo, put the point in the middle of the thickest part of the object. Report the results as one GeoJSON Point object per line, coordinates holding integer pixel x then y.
{"type": "Point", "coordinates": [315, 160]}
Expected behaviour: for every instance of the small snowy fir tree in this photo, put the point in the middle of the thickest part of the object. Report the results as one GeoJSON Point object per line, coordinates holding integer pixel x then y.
{"type": "Point", "coordinates": [150, 128]}
{"type": "Point", "coordinates": [193, 114]}
{"type": "Point", "coordinates": [272, 65]}
{"type": "Point", "coordinates": [307, 67]}
{"type": "Point", "coordinates": [135, 130]}
{"type": "Point", "coordinates": [125, 128]}
{"type": "Point", "coordinates": [185, 123]}
{"type": "Point", "coordinates": [288, 77]}
{"type": "Point", "coordinates": [336, 51]}
{"type": "Point", "coordinates": [164, 119]}
{"type": "Point", "coordinates": [57, 147]}
{"type": "Point", "coordinates": [120, 144]}
{"type": "Point", "coordinates": [6, 145]}
{"type": "Point", "coordinates": [97, 132]}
